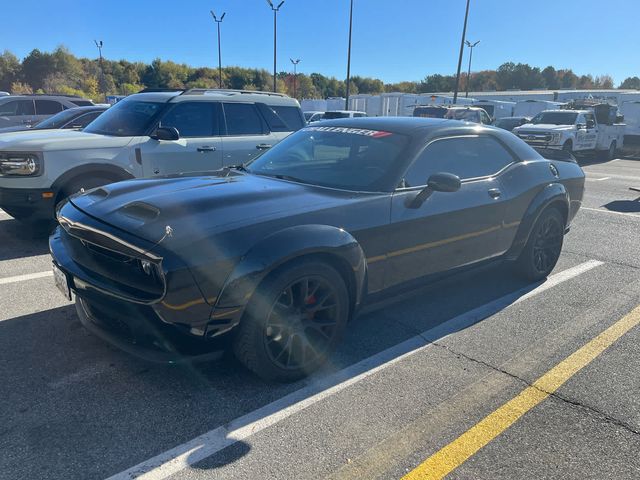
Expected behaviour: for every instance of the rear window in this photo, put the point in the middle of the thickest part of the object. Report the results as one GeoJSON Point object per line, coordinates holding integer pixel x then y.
{"type": "Point", "coordinates": [332, 115]}
{"type": "Point", "coordinates": [290, 115]}
{"type": "Point", "coordinates": [243, 119]}
{"type": "Point", "coordinates": [82, 103]}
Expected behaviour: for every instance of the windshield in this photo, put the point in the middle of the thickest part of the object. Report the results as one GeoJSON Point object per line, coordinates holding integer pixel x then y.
{"type": "Point", "coordinates": [507, 123]}
{"type": "Point", "coordinates": [127, 118]}
{"type": "Point", "coordinates": [462, 114]}
{"type": "Point", "coordinates": [555, 118]}
{"type": "Point", "coordinates": [339, 157]}
{"type": "Point", "coordinates": [58, 120]}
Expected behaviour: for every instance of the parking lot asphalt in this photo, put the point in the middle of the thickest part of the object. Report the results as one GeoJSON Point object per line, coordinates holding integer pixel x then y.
{"type": "Point", "coordinates": [414, 374]}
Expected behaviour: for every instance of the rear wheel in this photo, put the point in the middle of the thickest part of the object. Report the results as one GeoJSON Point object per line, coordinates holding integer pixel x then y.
{"type": "Point", "coordinates": [541, 253]}
{"type": "Point", "coordinates": [610, 153]}
{"type": "Point", "coordinates": [293, 321]}
{"type": "Point", "coordinates": [82, 183]}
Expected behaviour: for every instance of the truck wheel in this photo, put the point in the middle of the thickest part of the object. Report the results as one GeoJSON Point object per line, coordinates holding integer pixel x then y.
{"type": "Point", "coordinates": [541, 253]}
{"type": "Point", "coordinates": [568, 146]}
{"type": "Point", "coordinates": [77, 184]}
{"type": "Point", "coordinates": [293, 321]}
{"type": "Point", "coordinates": [608, 154]}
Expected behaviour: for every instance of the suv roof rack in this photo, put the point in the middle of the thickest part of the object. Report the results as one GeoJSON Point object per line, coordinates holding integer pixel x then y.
{"type": "Point", "coordinates": [49, 95]}
{"type": "Point", "coordinates": [204, 91]}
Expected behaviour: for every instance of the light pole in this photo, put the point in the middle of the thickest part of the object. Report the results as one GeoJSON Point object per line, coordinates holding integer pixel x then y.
{"type": "Point", "coordinates": [295, 75]}
{"type": "Point", "coordinates": [464, 33]}
{"type": "Point", "coordinates": [470, 45]}
{"type": "Point", "coordinates": [275, 37]}
{"type": "Point", "coordinates": [218, 22]}
{"type": "Point", "coordinates": [346, 102]}
{"type": "Point", "coordinates": [102, 86]}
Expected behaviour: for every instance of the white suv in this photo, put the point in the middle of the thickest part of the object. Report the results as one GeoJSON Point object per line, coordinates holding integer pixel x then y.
{"type": "Point", "coordinates": [145, 135]}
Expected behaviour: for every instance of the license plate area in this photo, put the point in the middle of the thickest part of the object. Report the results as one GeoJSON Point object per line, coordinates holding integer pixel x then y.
{"type": "Point", "coordinates": [62, 281]}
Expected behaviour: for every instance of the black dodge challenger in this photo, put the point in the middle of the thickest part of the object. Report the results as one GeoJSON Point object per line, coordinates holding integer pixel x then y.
{"type": "Point", "coordinates": [274, 257]}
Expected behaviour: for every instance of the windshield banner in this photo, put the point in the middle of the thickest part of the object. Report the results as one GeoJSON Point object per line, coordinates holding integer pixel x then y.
{"type": "Point", "coordinates": [353, 131]}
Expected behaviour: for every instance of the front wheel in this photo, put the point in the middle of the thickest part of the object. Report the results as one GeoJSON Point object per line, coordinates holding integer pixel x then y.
{"type": "Point", "coordinates": [568, 146]}
{"type": "Point", "coordinates": [541, 253]}
{"type": "Point", "coordinates": [293, 321]}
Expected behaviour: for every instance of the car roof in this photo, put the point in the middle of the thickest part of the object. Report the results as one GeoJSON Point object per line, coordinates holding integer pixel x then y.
{"type": "Point", "coordinates": [37, 96]}
{"type": "Point", "coordinates": [86, 108]}
{"type": "Point", "coordinates": [209, 95]}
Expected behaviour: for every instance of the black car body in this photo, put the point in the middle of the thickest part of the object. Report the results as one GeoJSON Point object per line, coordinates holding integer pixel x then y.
{"type": "Point", "coordinates": [509, 123]}
{"type": "Point", "coordinates": [178, 261]}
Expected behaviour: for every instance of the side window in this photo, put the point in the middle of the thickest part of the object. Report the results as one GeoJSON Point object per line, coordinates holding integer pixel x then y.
{"type": "Point", "coordinates": [192, 119]}
{"type": "Point", "coordinates": [588, 118]}
{"type": "Point", "coordinates": [467, 157]}
{"type": "Point", "coordinates": [485, 117]}
{"type": "Point", "coordinates": [243, 119]}
{"type": "Point", "coordinates": [48, 107]}
{"type": "Point", "coordinates": [17, 107]}
{"type": "Point", "coordinates": [290, 115]}
{"type": "Point", "coordinates": [83, 120]}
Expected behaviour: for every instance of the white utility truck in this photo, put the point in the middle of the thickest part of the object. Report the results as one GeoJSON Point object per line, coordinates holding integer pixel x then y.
{"type": "Point", "coordinates": [592, 129]}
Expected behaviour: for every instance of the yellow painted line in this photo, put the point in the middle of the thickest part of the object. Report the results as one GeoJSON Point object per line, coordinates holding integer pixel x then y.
{"type": "Point", "coordinates": [465, 446]}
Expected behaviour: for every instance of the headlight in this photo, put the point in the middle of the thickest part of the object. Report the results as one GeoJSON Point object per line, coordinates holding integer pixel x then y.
{"type": "Point", "coordinates": [19, 164]}
{"type": "Point", "coordinates": [555, 137]}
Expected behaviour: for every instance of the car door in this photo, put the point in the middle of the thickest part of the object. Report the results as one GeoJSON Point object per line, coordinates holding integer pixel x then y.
{"type": "Point", "coordinates": [47, 108]}
{"type": "Point", "coordinates": [246, 134]}
{"type": "Point", "coordinates": [450, 229]}
{"type": "Point", "coordinates": [591, 132]}
{"type": "Point", "coordinates": [199, 147]}
{"type": "Point", "coordinates": [17, 112]}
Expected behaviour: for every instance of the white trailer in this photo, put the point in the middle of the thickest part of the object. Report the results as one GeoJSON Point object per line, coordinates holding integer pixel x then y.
{"type": "Point", "coordinates": [530, 108]}
{"type": "Point", "coordinates": [631, 112]}
{"type": "Point", "coordinates": [313, 105]}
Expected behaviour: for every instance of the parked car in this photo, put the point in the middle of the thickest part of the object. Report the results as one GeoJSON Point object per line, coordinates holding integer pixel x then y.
{"type": "Point", "coordinates": [575, 131]}
{"type": "Point", "coordinates": [333, 114]}
{"type": "Point", "coordinates": [313, 116]}
{"type": "Point", "coordinates": [280, 253]}
{"type": "Point", "coordinates": [143, 135]}
{"type": "Point", "coordinates": [71, 119]}
{"type": "Point", "coordinates": [468, 114]}
{"type": "Point", "coordinates": [509, 123]}
{"type": "Point", "coordinates": [4, 94]}
{"type": "Point", "coordinates": [31, 109]}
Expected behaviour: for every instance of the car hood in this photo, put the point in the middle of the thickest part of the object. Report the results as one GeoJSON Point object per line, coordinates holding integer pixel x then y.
{"type": "Point", "coordinates": [545, 127]}
{"type": "Point", "coordinates": [15, 128]}
{"type": "Point", "coordinates": [196, 207]}
{"type": "Point", "coordinates": [51, 140]}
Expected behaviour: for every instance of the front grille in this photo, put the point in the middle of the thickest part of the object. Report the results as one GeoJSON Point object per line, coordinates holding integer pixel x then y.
{"type": "Point", "coordinates": [535, 137]}
{"type": "Point", "coordinates": [118, 273]}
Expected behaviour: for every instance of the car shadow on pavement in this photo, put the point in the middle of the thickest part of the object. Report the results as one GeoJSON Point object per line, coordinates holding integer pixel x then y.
{"type": "Point", "coordinates": [115, 411]}
{"type": "Point", "coordinates": [18, 240]}
{"type": "Point", "coordinates": [624, 206]}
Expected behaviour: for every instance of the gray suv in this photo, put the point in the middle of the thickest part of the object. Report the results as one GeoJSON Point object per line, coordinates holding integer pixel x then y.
{"type": "Point", "coordinates": [31, 109]}
{"type": "Point", "coordinates": [145, 135]}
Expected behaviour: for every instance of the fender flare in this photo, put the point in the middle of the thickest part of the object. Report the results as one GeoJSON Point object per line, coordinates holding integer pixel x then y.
{"type": "Point", "coordinates": [552, 194]}
{"type": "Point", "coordinates": [288, 244]}
{"type": "Point", "coordinates": [91, 169]}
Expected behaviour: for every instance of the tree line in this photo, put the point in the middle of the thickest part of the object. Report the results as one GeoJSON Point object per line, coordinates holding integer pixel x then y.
{"type": "Point", "coordinates": [62, 72]}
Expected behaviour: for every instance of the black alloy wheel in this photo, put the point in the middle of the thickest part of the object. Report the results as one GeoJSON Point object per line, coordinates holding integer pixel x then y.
{"type": "Point", "coordinates": [294, 320]}
{"type": "Point", "coordinates": [302, 323]}
{"type": "Point", "coordinates": [542, 251]}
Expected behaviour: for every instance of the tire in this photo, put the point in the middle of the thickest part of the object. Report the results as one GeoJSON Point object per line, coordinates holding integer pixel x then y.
{"type": "Point", "coordinates": [543, 248]}
{"type": "Point", "coordinates": [285, 333]}
{"type": "Point", "coordinates": [77, 184]}
{"type": "Point", "coordinates": [568, 146]}
{"type": "Point", "coordinates": [609, 154]}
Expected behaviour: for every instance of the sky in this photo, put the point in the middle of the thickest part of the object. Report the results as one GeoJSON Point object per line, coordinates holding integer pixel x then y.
{"type": "Point", "coordinates": [392, 40]}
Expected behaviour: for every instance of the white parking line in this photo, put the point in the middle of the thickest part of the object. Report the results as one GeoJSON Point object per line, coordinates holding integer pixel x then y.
{"type": "Point", "coordinates": [598, 179]}
{"type": "Point", "coordinates": [603, 210]}
{"type": "Point", "coordinates": [28, 276]}
{"type": "Point", "coordinates": [207, 444]}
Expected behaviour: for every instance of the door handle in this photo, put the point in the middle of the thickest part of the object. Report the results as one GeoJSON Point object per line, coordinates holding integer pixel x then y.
{"type": "Point", "coordinates": [263, 146]}
{"type": "Point", "coordinates": [206, 149]}
{"type": "Point", "coordinates": [494, 192]}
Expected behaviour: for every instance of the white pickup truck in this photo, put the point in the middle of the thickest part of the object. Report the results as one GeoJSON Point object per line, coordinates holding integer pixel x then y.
{"type": "Point", "coordinates": [575, 131]}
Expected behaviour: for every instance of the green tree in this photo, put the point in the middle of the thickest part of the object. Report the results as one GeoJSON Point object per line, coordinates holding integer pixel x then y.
{"type": "Point", "coordinates": [631, 83]}
{"type": "Point", "coordinates": [9, 70]}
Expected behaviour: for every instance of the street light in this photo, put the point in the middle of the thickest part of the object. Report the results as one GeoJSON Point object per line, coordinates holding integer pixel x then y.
{"type": "Point", "coordinates": [295, 75]}
{"type": "Point", "coordinates": [346, 102]}
{"type": "Point", "coordinates": [218, 22]}
{"type": "Point", "coordinates": [464, 33]}
{"type": "Point", "coordinates": [275, 31]}
{"type": "Point", "coordinates": [470, 45]}
{"type": "Point", "coordinates": [99, 45]}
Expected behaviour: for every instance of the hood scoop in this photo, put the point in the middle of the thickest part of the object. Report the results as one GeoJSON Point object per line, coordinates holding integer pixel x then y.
{"type": "Point", "coordinates": [140, 211]}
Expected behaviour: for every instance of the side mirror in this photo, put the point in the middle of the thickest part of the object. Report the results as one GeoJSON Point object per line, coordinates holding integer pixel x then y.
{"type": "Point", "coordinates": [444, 182]}
{"type": "Point", "coordinates": [165, 133]}
{"type": "Point", "coordinates": [580, 126]}
{"type": "Point", "coordinates": [591, 124]}
{"type": "Point", "coordinates": [438, 182]}
{"type": "Point", "coordinates": [619, 118]}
